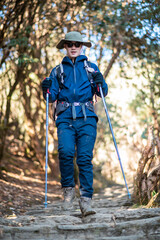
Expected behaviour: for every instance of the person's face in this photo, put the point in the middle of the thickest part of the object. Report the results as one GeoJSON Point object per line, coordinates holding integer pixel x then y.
{"type": "Point", "coordinates": [73, 49]}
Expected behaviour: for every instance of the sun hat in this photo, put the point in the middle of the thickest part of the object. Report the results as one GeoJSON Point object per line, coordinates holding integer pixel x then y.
{"type": "Point", "coordinates": [72, 36]}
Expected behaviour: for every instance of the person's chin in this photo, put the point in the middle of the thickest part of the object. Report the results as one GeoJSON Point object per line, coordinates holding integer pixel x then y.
{"type": "Point", "coordinates": [74, 55]}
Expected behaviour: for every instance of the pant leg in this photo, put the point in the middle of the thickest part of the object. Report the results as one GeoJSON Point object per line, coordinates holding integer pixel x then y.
{"type": "Point", "coordinates": [86, 136]}
{"type": "Point", "coordinates": [66, 149]}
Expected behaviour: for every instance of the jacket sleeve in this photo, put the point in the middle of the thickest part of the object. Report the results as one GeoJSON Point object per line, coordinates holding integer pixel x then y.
{"type": "Point", "coordinates": [104, 85]}
{"type": "Point", "coordinates": [54, 89]}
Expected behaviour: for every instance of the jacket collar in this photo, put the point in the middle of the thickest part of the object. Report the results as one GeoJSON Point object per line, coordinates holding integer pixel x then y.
{"type": "Point", "coordinates": [66, 59]}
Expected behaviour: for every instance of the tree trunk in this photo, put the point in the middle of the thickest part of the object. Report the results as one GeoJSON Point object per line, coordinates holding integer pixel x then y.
{"type": "Point", "coordinates": [5, 123]}
{"type": "Point", "coordinates": [147, 181]}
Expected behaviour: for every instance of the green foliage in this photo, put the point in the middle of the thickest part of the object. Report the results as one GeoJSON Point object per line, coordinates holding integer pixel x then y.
{"type": "Point", "coordinates": [26, 59]}
{"type": "Point", "coordinates": [153, 193]}
{"type": "Point", "coordinates": [144, 134]}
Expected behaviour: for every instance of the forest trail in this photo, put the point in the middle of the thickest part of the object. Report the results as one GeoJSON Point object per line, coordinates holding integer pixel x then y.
{"type": "Point", "coordinates": [115, 219]}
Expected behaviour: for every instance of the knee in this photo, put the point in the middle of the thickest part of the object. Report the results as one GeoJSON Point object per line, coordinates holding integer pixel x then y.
{"type": "Point", "coordinates": [66, 152]}
{"type": "Point", "coordinates": [84, 157]}
{"type": "Point", "coordinates": [84, 162]}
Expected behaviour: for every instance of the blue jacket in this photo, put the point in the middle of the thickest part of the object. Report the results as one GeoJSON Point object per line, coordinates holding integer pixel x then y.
{"type": "Point", "coordinates": [77, 87]}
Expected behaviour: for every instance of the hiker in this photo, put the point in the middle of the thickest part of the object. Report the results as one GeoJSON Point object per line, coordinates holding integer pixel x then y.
{"type": "Point", "coordinates": [73, 84]}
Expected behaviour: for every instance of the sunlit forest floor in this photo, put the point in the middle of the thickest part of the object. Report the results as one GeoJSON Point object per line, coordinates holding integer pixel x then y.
{"type": "Point", "coordinates": [22, 185]}
{"type": "Point", "coordinates": [23, 215]}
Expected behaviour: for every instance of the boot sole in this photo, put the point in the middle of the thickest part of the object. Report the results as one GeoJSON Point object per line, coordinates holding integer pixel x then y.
{"type": "Point", "coordinates": [88, 213]}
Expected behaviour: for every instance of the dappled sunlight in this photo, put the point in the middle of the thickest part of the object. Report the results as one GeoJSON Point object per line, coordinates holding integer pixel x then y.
{"type": "Point", "coordinates": [116, 189]}
{"type": "Point", "coordinates": [29, 179]}
{"type": "Point", "coordinates": [23, 185]}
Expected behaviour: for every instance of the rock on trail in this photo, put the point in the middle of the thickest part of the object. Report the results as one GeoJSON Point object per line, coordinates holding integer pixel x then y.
{"type": "Point", "coordinates": [116, 219]}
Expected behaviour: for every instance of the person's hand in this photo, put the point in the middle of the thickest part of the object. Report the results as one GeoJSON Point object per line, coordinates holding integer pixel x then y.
{"type": "Point", "coordinates": [46, 83]}
{"type": "Point", "coordinates": [97, 77]}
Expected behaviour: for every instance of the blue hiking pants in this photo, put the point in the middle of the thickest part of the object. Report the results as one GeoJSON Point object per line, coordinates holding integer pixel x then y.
{"type": "Point", "coordinates": [77, 135]}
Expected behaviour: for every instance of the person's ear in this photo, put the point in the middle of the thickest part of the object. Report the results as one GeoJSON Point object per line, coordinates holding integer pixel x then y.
{"type": "Point", "coordinates": [81, 48]}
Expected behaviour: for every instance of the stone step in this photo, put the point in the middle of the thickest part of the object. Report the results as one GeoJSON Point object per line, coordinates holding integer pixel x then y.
{"type": "Point", "coordinates": [115, 220]}
{"type": "Point", "coordinates": [143, 228]}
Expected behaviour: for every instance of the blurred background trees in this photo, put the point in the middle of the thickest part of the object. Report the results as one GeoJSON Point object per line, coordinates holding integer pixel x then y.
{"type": "Point", "coordinates": [125, 37]}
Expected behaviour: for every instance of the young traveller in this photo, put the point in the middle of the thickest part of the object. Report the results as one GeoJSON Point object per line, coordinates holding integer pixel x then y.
{"type": "Point", "coordinates": [73, 84]}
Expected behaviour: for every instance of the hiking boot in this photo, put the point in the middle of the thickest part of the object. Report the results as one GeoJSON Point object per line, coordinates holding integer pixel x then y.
{"type": "Point", "coordinates": [69, 196]}
{"type": "Point", "coordinates": [85, 206]}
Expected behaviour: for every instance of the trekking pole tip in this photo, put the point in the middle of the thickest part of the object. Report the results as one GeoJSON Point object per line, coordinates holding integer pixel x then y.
{"type": "Point", "coordinates": [45, 204]}
{"type": "Point", "coordinates": [129, 195]}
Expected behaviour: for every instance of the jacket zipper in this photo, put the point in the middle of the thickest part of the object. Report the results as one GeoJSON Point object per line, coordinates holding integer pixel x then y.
{"type": "Point", "coordinates": [74, 90]}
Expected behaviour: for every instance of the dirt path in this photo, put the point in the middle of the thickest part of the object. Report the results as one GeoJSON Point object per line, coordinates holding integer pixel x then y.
{"type": "Point", "coordinates": [115, 219]}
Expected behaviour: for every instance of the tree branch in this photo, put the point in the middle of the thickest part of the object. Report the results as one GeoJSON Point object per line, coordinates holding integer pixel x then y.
{"type": "Point", "coordinates": [113, 59]}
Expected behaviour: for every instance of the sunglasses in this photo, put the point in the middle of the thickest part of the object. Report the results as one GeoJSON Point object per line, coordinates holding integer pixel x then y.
{"type": "Point", "coordinates": [76, 44]}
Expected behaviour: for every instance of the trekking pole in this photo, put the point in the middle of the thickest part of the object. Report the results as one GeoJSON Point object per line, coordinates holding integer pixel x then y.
{"type": "Point", "coordinates": [46, 162]}
{"type": "Point", "coordinates": [114, 140]}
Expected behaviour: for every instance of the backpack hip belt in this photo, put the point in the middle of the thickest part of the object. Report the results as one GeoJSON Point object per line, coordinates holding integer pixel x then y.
{"type": "Point", "coordinates": [63, 105]}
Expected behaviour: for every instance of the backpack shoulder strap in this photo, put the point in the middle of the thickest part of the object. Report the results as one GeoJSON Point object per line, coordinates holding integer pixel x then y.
{"type": "Point", "coordinates": [89, 70]}
{"type": "Point", "coordinates": [60, 74]}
